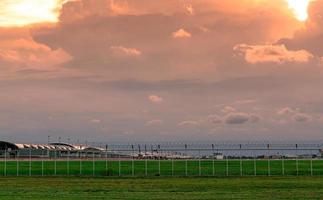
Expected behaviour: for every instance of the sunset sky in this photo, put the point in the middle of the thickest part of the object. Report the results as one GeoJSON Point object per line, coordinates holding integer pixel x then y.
{"type": "Point", "coordinates": [151, 70]}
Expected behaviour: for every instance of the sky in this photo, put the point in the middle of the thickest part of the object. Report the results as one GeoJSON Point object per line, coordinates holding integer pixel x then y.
{"type": "Point", "coordinates": [162, 70]}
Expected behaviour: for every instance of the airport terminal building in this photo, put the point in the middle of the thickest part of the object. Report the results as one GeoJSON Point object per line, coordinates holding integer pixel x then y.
{"type": "Point", "coordinates": [12, 150]}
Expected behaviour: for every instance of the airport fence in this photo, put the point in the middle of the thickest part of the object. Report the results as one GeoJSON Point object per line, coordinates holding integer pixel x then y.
{"type": "Point", "coordinates": [167, 160]}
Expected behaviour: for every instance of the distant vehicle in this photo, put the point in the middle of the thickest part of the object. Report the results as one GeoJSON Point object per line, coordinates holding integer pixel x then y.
{"type": "Point", "coordinates": [218, 156]}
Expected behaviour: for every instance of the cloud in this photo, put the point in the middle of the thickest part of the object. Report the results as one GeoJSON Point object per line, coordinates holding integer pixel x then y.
{"type": "Point", "coordinates": [311, 35]}
{"type": "Point", "coordinates": [285, 111]}
{"type": "Point", "coordinates": [228, 109]}
{"type": "Point", "coordinates": [215, 119]}
{"type": "Point", "coordinates": [189, 9]}
{"type": "Point", "coordinates": [123, 51]}
{"type": "Point", "coordinates": [245, 101]}
{"type": "Point", "coordinates": [254, 118]}
{"type": "Point", "coordinates": [155, 98]}
{"type": "Point", "coordinates": [95, 121]}
{"type": "Point", "coordinates": [154, 122]}
{"type": "Point", "coordinates": [149, 26]}
{"type": "Point", "coordinates": [26, 53]}
{"type": "Point", "coordinates": [241, 118]}
{"type": "Point", "coordinates": [234, 117]}
{"type": "Point", "coordinates": [272, 53]}
{"type": "Point", "coordinates": [181, 33]}
{"type": "Point", "coordinates": [189, 123]}
{"type": "Point", "coordinates": [24, 12]}
{"type": "Point", "coordinates": [302, 117]}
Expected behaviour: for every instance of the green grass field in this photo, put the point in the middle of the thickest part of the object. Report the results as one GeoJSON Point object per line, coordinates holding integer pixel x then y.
{"type": "Point", "coordinates": [217, 168]}
{"type": "Point", "coordinates": [161, 188]}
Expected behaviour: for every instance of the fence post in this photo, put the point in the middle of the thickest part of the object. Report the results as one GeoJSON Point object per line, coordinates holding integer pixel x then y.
{"type": "Point", "coordinates": [17, 162]}
{"type": "Point", "coordinates": [269, 170]}
{"type": "Point", "coordinates": [200, 170]}
{"type": "Point", "coordinates": [80, 157]}
{"type": "Point", "coordinates": [55, 156]}
{"type": "Point", "coordinates": [133, 161]}
{"type": "Point", "coordinates": [227, 165]}
{"type": "Point", "coordinates": [311, 163]}
{"type": "Point", "coordinates": [173, 164]}
{"type": "Point", "coordinates": [297, 169]}
{"type": "Point", "coordinates": [255, 163]}
{"type": "Point", "coordinates": [93, 164]}
{"type": "Point", "coordinates": [29, 162]}
{"type": "Point", "coordinates": [5, 162]}
{"type": "Point", "coordinates": [106, 160]}
{"type": "Point", "coordinates": [185, 159]}
{"type": "Point", "coordinates": [42, 163]}
{"type": "Point", "coordinates": [119, 166]}
{"type": "Point", "coordinates": [146, 162]}
{"type": "Point", "coordinates": [159, 157]}
{"type": "Point", "coordinates": [213, 167]}
{"type": "Point", "coordinates": [283, 165]}
{"type": "Point", "coordinates": [68, 162]}
{"type": "Point", "coordinates": [241, 173]}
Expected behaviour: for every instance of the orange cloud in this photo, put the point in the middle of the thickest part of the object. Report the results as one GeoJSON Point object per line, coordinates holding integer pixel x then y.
{"type": "Point", "coordinates": [181, 33]}
{"type": "Point", "coordinates": [26, 53]}
{"type": "Point", "coordinates": [189, 9]}
{"type": "Point", "coordinates": [272, 53]}
{"type": "Point", "coordinates": [124, 51]}
{"type": "Point", "coordinates": [155, 99]}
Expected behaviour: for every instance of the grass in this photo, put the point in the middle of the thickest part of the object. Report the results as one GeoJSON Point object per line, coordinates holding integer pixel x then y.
{"type": "Point", "coordinates": [178, 168]}
{"type": "Point", "coordinates": [161, 188]}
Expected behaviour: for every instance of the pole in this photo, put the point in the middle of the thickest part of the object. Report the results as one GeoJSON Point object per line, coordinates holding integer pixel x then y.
{"type": "Point", "coordinates": [200, 170]}
{"type": "Point", "coordinates": [17, 162]}
{"type": "Point", "coordinates": [159, 157]}
{"type": "Point", "coordinates": [132, 161]}
{"type": "Point", "coordinates": [106, 160]}
{"type": "Point", "coordinates": [172, 165]}
{"type": "Point", "coordinates": [42, 163]}
{"type": "Point", "coordinates": [283, 165]}
{"type": "Point", "coordinates": [80, 155]}
{"type": "Point", "coordinates": [5, 162]}
{"type": "Point", "coordinates": [55, 164]}
{"type": "Point", "coordinates": [227, 165]}
{"type": "Point", "coordinates": [146, 165]}
{"type": "Point", "coordinates": [185, 159]}
{"type": "Point", "coordinates": [29, 162]}
{"type": "Point", "coordinates": [213, 157]}
{"type": "Point", "coordinates": [68, 162]}
{"type": "Point", "coordinates": [93, 164]}
{"type": "Point", "coordinates": [297, 169]}
{"type": "Point", "coordinates": [119, 165]}
{"type": "Point", "coordinates": [146, 162]}
{"type": "Point", "coordinates": [255, 163]}
{"type": "Point", "coordinates": [311, 163]}
{"type": "Point", "coordinates": [240, 160]}
{"type": "Point", "coordinates": [269, 171]}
